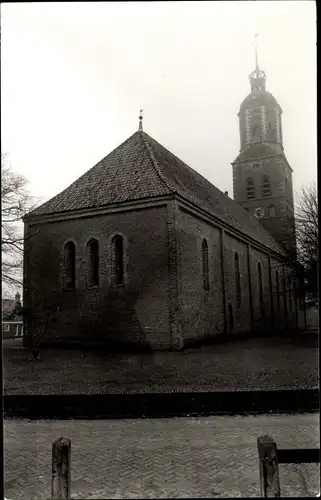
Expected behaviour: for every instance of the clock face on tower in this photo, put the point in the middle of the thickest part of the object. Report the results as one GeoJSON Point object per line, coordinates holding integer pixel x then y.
{"type": "Point", "coordinates": [259, 212]}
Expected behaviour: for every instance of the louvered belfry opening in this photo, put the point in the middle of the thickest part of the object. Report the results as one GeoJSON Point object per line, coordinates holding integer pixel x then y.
{"type": "Point", "coordinates": [93, 262]}
{"type": "Point", "coordinates": [117, 260]}
{"type": "Point", "coordinates": [266, 186]}
{"type": "Point", "coordinates": [70, 266]}
{"type": "Point", "coordinates": [250, 188]}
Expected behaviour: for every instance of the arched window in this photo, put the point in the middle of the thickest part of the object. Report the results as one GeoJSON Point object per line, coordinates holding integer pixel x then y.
{"type": "Point", "coordinates": [266, 186]}
{"type": "Point", "coordinates": [117, 260]}
{"type": "Point", "coordinates": [70, 265]}
{"type": "Point", "coordinates": [259, 272]}
{"type": "Point", "coordinates": [237, 280]}
{"type": "Point", "coordinates": [206, 285]}
{"type": "Point", "coordinates": [93, 262]}
{"type": "Point", "coordinates": [250, 188]}
{"type": "Point", "coordinates": [277, 290]}
{"type": "Point", "coordinates": [271, 210]}
{"type": "Point", "coordinates": [230, 317]}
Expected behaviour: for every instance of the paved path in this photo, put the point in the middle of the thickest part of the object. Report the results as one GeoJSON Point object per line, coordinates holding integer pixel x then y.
{"type": "Point", "coordinates": [249, 364]}
{"type": "Point", "coordinates": [158, 458]}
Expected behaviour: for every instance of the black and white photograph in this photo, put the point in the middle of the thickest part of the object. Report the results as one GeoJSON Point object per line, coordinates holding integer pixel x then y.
{"type": "Point", "coordinates": [159, 216]}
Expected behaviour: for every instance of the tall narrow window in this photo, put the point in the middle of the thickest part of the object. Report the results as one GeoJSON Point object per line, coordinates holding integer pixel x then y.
{"type": "Point", "coordinates": [266, 186]}
{"type": "Point", "coordinates": [206, 285]}
{"type": "Point", "coordinates": [271, 210]}
{"type": "Point", "coordinates": [93, 263]}
{"type": "Point", "coordinates": [70, 265]}
{"type": "Point", "coordinates": [117, 260]}
{"type": "Point", "coordinates": [237, 280]}
{"type": "Point", "coordinates": [277, 290]}
{"type": "Point", "coordinates": [250, 188]}
{"type": "Point", "coordinates": [259, 271]}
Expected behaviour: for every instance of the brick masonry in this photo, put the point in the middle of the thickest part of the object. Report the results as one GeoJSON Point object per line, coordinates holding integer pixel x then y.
{"type": "Point", "coordinates": [162, 303]}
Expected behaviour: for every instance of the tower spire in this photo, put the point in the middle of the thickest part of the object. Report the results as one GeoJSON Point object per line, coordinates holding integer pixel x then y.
{"type": "Point", "coordinates": [140, 126]}
{"type": "Point", "coordinates": [256, 54]}
{"type": "Point", "coordinates": [257, 77]}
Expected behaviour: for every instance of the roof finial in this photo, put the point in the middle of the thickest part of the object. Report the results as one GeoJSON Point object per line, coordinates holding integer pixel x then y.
{"type": "Point", "coordinates": [257, 77]}
{"type": "Point", "coordinates": [256, 56]}
{"type": "Point", "coordinates": [140, 127]}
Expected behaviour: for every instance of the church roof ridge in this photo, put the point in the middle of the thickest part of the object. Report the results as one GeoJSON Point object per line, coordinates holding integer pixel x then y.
{"type": "Point", "coordinates": [141, 168]}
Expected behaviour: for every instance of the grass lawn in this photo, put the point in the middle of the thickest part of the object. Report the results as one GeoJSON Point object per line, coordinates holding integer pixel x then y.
{"type": "Point", "coordinates": [244, 364]}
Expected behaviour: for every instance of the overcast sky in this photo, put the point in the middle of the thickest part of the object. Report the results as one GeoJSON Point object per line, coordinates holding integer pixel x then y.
{"type": "Point", "coordinates": [75, 75]}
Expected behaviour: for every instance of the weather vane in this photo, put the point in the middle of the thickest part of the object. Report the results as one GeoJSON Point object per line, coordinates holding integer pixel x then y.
{"type": "Point", "coordinates": [140, 120]}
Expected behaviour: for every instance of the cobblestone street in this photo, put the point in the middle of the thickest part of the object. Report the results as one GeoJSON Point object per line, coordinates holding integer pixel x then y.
{"type": "Point", "coordinates": [158, 458]}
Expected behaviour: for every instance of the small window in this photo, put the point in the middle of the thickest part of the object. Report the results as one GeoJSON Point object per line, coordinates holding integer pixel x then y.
{"type": "Point", "coordinates": [70, 265]}
{"type": "Point", "coordinates": [250, 188]}
{"type": "Point", "coordinates": [261, 295]}
{"type": "Point", "coordinates": [237, 280]}
{"type": "Point", "coordinates": [93, 263]}
{"type": "Point", "coordinates": [205, 266]}
{"type": "Point", "coordinates": [266, 186]}
{"type": "Point", "coordinates": [117, 261]}
{"type": "Point", "coordinates": [277, 289]}
{"type": "Point", "coordinates": [6, 328]}
{"type": "Point", "coordinates": [271, 210]}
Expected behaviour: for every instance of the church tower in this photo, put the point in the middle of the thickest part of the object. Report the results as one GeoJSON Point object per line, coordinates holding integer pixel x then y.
{"type": "Point", "coordinates": [262, 176]}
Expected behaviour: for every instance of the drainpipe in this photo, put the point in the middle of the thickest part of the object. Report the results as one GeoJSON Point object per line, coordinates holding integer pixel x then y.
{"type": "Point", "coordinates": [250, 285]}
{"type": "Point", "coordinates": [223, 278]}
{"type": "Point", "coordinates": [284, 299]}
{"type": "Point", "coordinates": [296, 295]}
{"type": "Point", "coordinates": [271, 292]}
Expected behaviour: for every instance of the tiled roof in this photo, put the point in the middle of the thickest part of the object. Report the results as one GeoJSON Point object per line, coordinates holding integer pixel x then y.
{"type": "Point", "coordinates": [142, 168]}
{"type": "Point", "coordinates": [258, 150]}
{"type": "Point", "coordinates": [259, 98]}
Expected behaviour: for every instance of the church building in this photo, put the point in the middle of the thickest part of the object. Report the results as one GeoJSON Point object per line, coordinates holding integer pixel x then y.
{"type": "Point", "coordinates": [143, 250]}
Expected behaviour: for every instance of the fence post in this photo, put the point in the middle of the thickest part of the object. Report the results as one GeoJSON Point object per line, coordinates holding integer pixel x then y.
{"type": "Point", "coordinates": [269, 468]}
{"type": "Point", "coordinates": [61, 469]}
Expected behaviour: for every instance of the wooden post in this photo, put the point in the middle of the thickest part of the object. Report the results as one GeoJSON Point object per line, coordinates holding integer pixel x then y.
{"type": "Point", "coordinates": [61, 469]}
{"type": "Point", "coordinates": [269, 468]}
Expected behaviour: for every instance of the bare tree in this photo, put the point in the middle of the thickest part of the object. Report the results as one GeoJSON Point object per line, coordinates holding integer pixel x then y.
{"type": "Point", "coordinates": [15, 203]}
{"type": "Point", "coordinates": [307, 238]}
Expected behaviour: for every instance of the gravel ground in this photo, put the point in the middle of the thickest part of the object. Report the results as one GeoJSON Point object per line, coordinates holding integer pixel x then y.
{"type": "Point", "coordinates": [247, 364]}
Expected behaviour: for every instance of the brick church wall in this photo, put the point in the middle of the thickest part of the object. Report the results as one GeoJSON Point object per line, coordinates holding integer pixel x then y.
{"type": "Point", "coordinates": [242, 313]}
{"type": "Point", "coordinates": [201, 313]}
{"type": "Point", "coordinates": [137, 312]}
